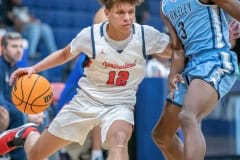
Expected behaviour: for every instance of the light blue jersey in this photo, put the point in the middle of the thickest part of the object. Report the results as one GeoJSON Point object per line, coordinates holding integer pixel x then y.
{"type": "Point", "coordinates": [203, 31]}
{"type": "Point", "coordinates": [208, 31]}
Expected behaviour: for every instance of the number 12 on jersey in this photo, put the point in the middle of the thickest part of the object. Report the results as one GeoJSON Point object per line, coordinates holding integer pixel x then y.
{"type": "Point", "coordinates": [117, 78]}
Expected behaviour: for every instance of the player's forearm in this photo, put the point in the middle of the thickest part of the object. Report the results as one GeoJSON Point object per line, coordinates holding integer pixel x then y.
{"type": "Point", "coordinates": [54, 59]}
{"type": "Point", "coordinates": [232, 7]}
{"type": "Point", "coordinates": [177, 62]}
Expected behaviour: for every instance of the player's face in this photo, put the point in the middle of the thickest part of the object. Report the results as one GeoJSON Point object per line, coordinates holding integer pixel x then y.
{"type": "Point", "coordinates": [121, 17]}
{"type": "Point", "coordinates": [13, 52]}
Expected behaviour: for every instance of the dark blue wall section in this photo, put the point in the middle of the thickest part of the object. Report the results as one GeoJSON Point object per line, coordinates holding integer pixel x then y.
{"type": "Point", "coordinates": [150, 101]}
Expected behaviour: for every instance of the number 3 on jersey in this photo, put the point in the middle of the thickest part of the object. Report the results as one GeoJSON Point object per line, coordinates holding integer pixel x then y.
{"type": "Point", "coordinates": [183, 33]}
{"type": "Point", "coordinates": [118, 79]}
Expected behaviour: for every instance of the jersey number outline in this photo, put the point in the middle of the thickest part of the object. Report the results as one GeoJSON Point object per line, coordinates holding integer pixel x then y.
{"type": "Point", "coordinates": [183, 33]}
{"type": "Point", "coordinates": [120, 78]}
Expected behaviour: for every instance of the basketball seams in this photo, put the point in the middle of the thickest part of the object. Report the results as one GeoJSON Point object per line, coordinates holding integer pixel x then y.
{"type": "Point", "coordinates": [13, 93]}
{"type": "Point", "coordinates": [21, 88]}
{"type": "Point", "coordinates": [23, 102]}
{"type": "Point", "coordinates": [29, 95]}
{"type": "Point", "coordinates": [41, 96]}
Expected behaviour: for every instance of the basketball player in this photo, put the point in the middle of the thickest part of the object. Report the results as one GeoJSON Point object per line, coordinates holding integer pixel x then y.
{"type": "Point", "coordinates": [200, 36]}
{"type": "Point", "coordinates": [10, 117]}
{"type": "Point", "coordinates": [116, 51]}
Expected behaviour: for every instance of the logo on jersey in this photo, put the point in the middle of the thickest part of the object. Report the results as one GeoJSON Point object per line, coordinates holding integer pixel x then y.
{"type": "Point", "coordinates": [102, 52]}
{"type": "Point", "coordinates": [116, 66]}
{"type": "Point", "coordinates": [89, 63]}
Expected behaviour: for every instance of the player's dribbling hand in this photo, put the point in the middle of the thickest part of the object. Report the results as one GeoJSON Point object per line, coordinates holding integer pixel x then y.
{"type": "Point", "coordinates": [173, 79]}
{"type": "Point", "coordinates": [20, 72]}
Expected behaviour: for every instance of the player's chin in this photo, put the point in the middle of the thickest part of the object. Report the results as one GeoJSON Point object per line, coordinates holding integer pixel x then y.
{"type": "Point", "coordinates": [126, 30]}
{"type": "Point", "coordinates": [127, 26]}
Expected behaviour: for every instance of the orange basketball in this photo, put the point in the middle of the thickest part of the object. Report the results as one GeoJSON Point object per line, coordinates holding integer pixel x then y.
{"type": "Point", "coordinates": [33, 94]}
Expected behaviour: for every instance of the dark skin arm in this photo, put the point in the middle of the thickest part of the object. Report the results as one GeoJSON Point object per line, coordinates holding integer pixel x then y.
{"type": "Point", "coordinates": [178, 57]}
{"type": "Point", "coordinates": [232, 7]}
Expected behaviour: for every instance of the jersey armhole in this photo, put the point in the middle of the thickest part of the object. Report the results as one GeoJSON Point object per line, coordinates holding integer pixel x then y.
{"type": "Point", "coordinates": [93, 43]}
{"type": "Point", "coordinates": [143, 43]}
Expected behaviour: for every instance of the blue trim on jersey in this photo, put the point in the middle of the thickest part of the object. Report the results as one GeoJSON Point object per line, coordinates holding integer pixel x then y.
{"type": "Point", "coordinates": [230, 60]}
{"type": "Point", "coordinates": [221, 57]}
{"type": "Point", "coordinates": [133, 28]}
{"type": "Point", "coordinates": [221, 20]}
{"type": "Point", "coordinates": [221, 27]}
{"type": "Point", "coordinates": [93, 42]}
{"type": "Point", "coordinates": [101, 29]}
{"type": "Point", "coordinates": [218, 28]}
{"type": "Point", "coordinates": [143, 43]}
{"type": "Point", "coordinates": [212, 28]}
{"type": "Point", "coordinates": [176, 104]}
{"type": "Point", "coordinates": [222, 14]}
{"type": "Point", "coordinates": [222, 75]}
{"type": "Point", "coordinates": [102, 34]}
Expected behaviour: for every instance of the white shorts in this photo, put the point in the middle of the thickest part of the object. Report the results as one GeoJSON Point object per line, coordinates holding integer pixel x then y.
{"type": "Point", "coordinates": [81, 115]}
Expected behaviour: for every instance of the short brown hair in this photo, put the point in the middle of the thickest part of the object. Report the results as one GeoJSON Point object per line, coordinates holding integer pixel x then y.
{"type": "Point", "coordinates": [10, 36]}
{"type": "Point", "coordinates": [109, 3]}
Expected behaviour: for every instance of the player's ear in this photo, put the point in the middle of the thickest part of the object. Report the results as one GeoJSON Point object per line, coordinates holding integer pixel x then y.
{"type": "Point", "coordinates": [106, 11]}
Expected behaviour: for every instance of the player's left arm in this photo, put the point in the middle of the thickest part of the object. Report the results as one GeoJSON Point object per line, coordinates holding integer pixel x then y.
{"type": "Point", "coordinates": [54, 59]}
{"type": "Point", "coordinates": [177, 57]}
{"type": "Point", "coordinates": [175, 47]}
{"type": "Point", "coordinates": [167, 53]}
{"type": "Point", "coordinates": [232, 7]}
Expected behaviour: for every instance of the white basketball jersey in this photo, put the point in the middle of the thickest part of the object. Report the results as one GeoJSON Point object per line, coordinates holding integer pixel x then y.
{"type": "Point", "coordinates": [111, 77]}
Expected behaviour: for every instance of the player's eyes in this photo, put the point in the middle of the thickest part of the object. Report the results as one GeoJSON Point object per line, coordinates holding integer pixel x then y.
{"type": "Point", "coordinates": [120, 12]}
{"type": "Point", "coordinates": [131, 12]}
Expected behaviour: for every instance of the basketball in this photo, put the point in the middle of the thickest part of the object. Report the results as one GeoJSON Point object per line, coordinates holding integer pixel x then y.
{"type": "Point", "coordinates": [33, 94]}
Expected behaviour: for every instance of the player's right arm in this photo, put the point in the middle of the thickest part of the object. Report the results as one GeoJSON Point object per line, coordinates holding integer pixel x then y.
{"type": "Point", "coordinates": [232, 7]}
{"type": "Point", "coordinates": [177, 58]}
{"type": "Point", "coordinates": [54, 59]}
